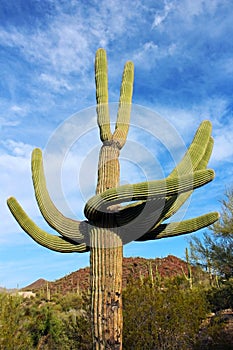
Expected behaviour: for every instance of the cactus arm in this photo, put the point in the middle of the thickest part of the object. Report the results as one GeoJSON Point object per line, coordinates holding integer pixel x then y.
{"type": "Point", "coordinates": [180, 228]}
{"type": "Point", "coordinates": [202, 163]}
{"type": "Point", "coordinates": [124, 109]}
{"type": "Point", "coordinates": [145, 191]}
{"type": "Point", "coordinates": [123, 116]}
{"type": "Point", "coordinates": [184, 196]}
{"type": "Point", "coordinates": [196, 158]}
{"type": "Point", "coordinates": [143, 215]}
{"type": "Point", "coordinates": [205, 159]}
{"type": "Point", "coordinates": [101, 81]}
{"type": "Point", "coordinates": [66, 227]}
{"type": "Point", "coordinates": [198, 155]}
{"type": "Point", "coordinates": [195, 152]}
{"type": "Point", "coordinates": [43, 238]}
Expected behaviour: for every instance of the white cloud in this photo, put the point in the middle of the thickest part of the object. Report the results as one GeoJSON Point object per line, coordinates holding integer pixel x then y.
{"type": "Point", "coordinates": [187, 121]}
{"type": "Point", "coordinates": [162, 15]}
{"type": "Point", "coordinates": [15, 179]}
{"type": "Point", "coordinates": [63, 47]}
{"type": "Point", "coordinates": [12, 114]}
{"type": "Point", "coordinates": [147, 56]}
{"type": "Point", "coordinates": [17, 109]}
{"type": "Point", "coordinates": [223, 142]}
{"type": "Point", "coordinates": [18, 149]}
{"type": "Point", "coordinates": [66, 44]}
{"type": "Point", "coordinates": [189, 10]}
{"type": "Point", "coordinates": [56, 84]}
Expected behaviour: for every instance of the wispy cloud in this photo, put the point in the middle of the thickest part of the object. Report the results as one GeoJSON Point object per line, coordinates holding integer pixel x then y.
{"type": "Point", "coordinates": [161, 15]}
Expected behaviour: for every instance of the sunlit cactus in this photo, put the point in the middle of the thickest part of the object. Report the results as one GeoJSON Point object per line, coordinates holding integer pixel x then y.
{"type": "Point", "coordinates": [110, 224]}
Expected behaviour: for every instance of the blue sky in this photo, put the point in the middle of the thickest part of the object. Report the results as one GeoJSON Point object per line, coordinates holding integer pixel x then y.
{"type": "Point", "coordinates": [183, 57]}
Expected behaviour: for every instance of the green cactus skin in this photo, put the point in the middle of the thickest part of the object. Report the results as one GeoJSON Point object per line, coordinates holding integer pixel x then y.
{"type": "Point", "coordinates": [98, 204]}
{"type": "Point", "coordinates": [123, 115]}
{"type": "Point", "coordinates": [108, 225]}
{"type": "Point", "coordinates": [179, 228]}
{"type": "Point", "coordinates": [66, 227]}
{"type": "Point", "coordinates": [49, 241]}
{"type": "Point", "coordinates": [101, 80]}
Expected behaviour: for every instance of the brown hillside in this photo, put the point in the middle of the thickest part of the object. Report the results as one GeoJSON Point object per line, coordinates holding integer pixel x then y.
{"type": "Point", "coordinates": [133, 268]}
{"type": "Point", "coordinates": [40, 283]}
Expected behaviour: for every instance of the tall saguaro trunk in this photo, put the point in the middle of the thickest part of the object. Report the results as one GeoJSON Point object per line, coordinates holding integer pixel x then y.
{"type": "Point", "coordinates": [106, 254]}
{"type": "Point", "coordinates": [106, 248]}
{"type": "Point", "coordinates": [106, 289]}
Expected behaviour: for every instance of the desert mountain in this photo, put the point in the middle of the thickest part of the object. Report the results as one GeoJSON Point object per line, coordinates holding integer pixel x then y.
{"type": "Point", "coordinates": [133, 268]}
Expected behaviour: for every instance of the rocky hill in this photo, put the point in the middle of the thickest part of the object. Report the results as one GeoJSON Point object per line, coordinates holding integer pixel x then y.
{"type": "Point", "coordinates": [133, 268]}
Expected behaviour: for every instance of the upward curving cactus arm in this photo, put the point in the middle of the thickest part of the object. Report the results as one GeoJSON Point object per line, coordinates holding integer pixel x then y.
{"type": "Point", "coordinates": [67, 227]}
{"type": "Point", "coordinates": [124, 109]}
{"type": "Point", "coordinates": [43, 238]}
{"type": "Point", "coordinates": [205, 159]}
{"type": "Point", "coordinates": [101, 81]}
{"type": "Point", "coordinates": [180, 228]}
{"type": "Point", "coordinates": [197, 156]}
{"type": "Point", "coordinates": [196, 151]}
{"type": "Point", "coordinates": [145, 191]}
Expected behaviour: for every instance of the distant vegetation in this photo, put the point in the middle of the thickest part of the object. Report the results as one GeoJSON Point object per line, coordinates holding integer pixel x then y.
{"type": "Point", "coordinates": [159, 313]}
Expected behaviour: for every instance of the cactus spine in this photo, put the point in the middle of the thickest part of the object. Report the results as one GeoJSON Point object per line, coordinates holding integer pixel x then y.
{"type": "Point", "coordinates": [103, 232]}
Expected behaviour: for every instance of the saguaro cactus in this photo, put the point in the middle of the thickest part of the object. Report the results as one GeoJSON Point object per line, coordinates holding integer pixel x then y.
{"type": "Point", "coordinates": [109, 225]}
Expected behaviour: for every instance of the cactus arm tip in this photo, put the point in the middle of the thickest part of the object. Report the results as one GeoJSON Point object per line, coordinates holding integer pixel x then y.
{"type": "Point", "coordinates": [43, 238]}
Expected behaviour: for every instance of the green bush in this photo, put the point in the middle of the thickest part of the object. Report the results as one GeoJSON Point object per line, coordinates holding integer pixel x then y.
{"type": "Point", "coordinates": [221, 298]}
{"type": "Point", "coordinates": [38, 324]}
{"type": "Point", "coordinates": [14, 334]}
{"type": "Point", "coordinates": [162, 318]}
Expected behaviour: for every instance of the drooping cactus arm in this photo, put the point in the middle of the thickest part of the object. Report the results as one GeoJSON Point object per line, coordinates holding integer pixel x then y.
{"type": "Point", "coordinates": [67, 227]}
{"type": "Point", "coordinates": [124, 109]}
{"type": "Point", "coordinates": [145, 191]}
{"type": "Point", "coordinates": [43, 238]}
{"type": "Point", "coordinates": [101, 81]}
{"type": "Point", "coordinates": [180, 228]}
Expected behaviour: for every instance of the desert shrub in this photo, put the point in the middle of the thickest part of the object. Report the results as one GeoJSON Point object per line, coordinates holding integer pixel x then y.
{"type": "Point", "coordinates": [162, 318]}
{"type": "Point", "coordinates": [61, 324]}
{"type": "Point", "coordinates": [221, 298]}
{"type": "Point", "coordinates": [13, 324]}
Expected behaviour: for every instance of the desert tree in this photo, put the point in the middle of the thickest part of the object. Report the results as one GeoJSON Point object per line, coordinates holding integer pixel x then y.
{"type": "Point", "coordinates": [115, 212]}
{"type": "Point", "coordinates": [214, 250]}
